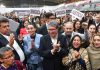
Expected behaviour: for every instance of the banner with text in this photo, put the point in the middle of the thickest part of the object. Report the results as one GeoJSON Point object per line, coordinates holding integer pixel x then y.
{"type": "Point", "coordinates": [60, 13]}
{"type": "Point", "coordinates": [35, 12]}
{"type": "Point", "coordinates": [77, 14]}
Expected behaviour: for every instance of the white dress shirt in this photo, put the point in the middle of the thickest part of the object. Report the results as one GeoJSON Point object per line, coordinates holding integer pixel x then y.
{"type": "Point", "coordinates": [17, 48]}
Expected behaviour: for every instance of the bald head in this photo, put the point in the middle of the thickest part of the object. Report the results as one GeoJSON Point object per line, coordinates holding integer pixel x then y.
{"type": "Point", "coordinates": [98, 18]}
{"type": "Point", "coordinates": [68, 28]}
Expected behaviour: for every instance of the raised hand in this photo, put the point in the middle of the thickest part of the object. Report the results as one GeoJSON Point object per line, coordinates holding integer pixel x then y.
{"type": "Point", "coordinates": [56, 47]}
{"type": "Point", "coordinates": [77, 54]}
{"type": "Point", "coordinates": [11, 39]}
{"type": "Point", "coordinates": [20, 38]}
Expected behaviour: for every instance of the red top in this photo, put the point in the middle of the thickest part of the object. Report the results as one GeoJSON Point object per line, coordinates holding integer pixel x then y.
{"type": "Point", "coordinates": [23, 31]}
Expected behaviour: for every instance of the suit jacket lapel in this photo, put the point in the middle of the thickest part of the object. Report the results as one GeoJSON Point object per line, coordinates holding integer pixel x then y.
{"type": "Point", "coordinates": [49, 40]}
{"type": "Point", "coordinates": [3, 40]}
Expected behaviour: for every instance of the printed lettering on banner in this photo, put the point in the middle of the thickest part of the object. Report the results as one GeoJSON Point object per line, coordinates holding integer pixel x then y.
{"type": "Point", "coordinates": [77, 14]}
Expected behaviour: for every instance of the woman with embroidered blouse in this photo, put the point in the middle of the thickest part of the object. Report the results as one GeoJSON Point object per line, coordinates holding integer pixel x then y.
{"type": "Point", "coordinates": [77, 58]}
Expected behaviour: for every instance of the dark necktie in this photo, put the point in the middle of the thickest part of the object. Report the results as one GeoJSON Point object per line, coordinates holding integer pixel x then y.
{"type": "Point", "coordinates": [68, 41]}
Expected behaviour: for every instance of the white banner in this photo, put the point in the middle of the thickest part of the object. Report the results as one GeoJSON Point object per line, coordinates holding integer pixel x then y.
{"type": "Point", "coordinates": [60, 13]}
{"type": "Point", "coordinates": [35, 12]}
{"type": "Point", "coordinates": [77, 14]}
{"type": "Point", "coordinates": [22, 12]}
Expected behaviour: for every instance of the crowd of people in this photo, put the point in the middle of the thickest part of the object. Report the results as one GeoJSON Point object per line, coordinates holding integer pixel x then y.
{"type": "Point", "coordinates": [48, 42]}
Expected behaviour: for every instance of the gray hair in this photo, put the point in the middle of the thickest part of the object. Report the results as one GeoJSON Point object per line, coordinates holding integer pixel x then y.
{"type": "Point", "coordinates": [3, 50]}
{"type": "Point", "coordinates": [52, 23]}
{"type": "Point", "coordinates": [68, 23]}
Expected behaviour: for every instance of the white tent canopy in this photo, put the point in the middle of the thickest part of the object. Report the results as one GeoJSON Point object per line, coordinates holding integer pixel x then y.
{"type": "Point", "coordinates": [95, 0]}
{"type": "Point", "coordinates": [70, 6]}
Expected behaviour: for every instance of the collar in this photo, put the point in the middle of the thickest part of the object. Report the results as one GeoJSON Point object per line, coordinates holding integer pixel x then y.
{"type": "Point", "coordinates": [4, 66]}
{"type": "Point", "coordinates": [47, 25]}
{"type": "Point", "coordinates": [33, 36]}
{"type": "Point", "coordinates": [54, 37]}
{"type": "Point", "coordinates": [77, 49]}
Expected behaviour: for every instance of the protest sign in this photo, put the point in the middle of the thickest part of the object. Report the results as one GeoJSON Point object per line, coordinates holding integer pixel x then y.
{"type": "Point", "coordinates": [35, 12]}
{"type": "Point", "coordinates": [77, 14]}
{"type": "Point", "coordinates": [60, 13]}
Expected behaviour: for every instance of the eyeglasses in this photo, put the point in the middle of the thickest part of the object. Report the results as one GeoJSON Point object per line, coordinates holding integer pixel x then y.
{"type": "Point", "coordinates": [52, 29]}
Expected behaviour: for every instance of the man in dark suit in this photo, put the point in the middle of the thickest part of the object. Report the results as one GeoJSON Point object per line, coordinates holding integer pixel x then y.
{"type": "Point", "coordinates": [95, 21]}
{"type": "Point", "coordinates": [52, 48]}
{"type": "Point", "coordinates": [43, 30]}
{"type": "Point", "coordinates": [9, 41]}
